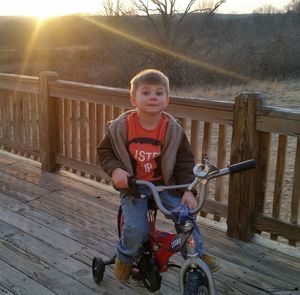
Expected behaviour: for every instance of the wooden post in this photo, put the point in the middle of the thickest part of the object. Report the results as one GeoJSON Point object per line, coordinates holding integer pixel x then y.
{"type": "Point", "coordinates": [221, 156]}
{"type": "Point", "coordinates": [195, 139]}
{"type": "Point", "coordinates": [279, 178]}
{"type": "Point", "coordinates": [48, 123]}
{"type": "Point", "coordinates": [295, 204]}
{"type": "Point", "coordinates": [262, 171]}
{"type": "Point", "coordinates": [242, 186]}
{"type": "Point", "coordinates": [261, 176]}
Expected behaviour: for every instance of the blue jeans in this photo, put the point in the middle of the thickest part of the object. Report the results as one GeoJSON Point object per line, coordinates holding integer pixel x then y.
{"type": "Point", "coordinates": [136, 227]}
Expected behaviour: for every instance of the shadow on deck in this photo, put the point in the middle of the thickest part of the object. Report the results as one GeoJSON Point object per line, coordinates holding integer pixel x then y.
{"type": "Point", "coordinates": [52, 225]}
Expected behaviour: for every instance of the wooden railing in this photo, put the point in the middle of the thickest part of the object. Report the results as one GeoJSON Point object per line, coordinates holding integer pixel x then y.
{"type": "Point", "coordinates": [60, 123]}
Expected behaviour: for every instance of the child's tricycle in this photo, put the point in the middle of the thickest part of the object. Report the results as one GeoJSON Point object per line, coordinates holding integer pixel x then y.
{"type": "Point", "coordinates": [195, 277]}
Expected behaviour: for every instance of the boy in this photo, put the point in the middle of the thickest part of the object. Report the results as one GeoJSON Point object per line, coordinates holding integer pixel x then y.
{"type": "Point", "coordinates": [149, 144]}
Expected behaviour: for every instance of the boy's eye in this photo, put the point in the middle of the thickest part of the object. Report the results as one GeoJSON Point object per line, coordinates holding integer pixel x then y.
{"type": "Point", "coordinates": [159, 93]}
{"type": "Point", "coordinates": [145, 92]}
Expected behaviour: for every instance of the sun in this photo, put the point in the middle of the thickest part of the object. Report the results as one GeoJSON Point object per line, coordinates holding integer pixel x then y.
{"type": "Point", "coordinates": [47, 8]}
{"type": "Point", "coordinates": [43, 16]}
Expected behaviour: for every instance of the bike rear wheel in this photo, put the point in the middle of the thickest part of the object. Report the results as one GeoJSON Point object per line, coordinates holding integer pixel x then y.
{"type": "Point", "coordinates": [196, 283]}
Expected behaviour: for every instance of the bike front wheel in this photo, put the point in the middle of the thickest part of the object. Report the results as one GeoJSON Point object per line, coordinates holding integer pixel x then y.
{"type": "Point", "coordinates": [196, 283]}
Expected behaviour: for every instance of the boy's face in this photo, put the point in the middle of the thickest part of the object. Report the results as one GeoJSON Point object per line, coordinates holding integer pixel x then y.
{"type": "Point", "coordinates": [150, 99]}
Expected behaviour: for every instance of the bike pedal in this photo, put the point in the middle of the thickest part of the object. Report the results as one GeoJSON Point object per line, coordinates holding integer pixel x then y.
{"type": "Point", "coordinates": [136, 274]}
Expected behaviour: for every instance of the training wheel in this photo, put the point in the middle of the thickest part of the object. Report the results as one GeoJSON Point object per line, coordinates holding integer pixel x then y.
{"type": "Point", "coordinates": [98, 267]}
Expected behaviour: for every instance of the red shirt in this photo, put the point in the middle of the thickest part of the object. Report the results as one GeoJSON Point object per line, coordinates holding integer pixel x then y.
{"type": "Point", "coordinates": [144, 147]}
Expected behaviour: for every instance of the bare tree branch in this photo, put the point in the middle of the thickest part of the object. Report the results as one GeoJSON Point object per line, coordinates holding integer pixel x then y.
{"type": "Point", "coordinates": [167, 19]}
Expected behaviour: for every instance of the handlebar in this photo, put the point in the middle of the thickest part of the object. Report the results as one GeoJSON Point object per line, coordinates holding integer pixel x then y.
{"type": "Point", "coordinates": [204, 173]}
{"type": "Point", "coordinates": [239, 167]}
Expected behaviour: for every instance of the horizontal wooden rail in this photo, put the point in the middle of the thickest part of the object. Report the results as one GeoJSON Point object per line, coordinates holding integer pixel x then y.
{"type": "Point", "coordinates": [216, 208]}
{"type": "Point", "coordinates": [90, 93]}
{"type": "Point", "coordinates": [19, 83]}
{"type": "Point", "coordinates": [278, 120]}
{"type": "Point", "coordinates": [80, 166]}
{"type": "Point", "coordinates": [276, 227]}
{"type": "Point", "coordinates": [192, 108]}
{"type": "Point", "coordinates": [11, 145]}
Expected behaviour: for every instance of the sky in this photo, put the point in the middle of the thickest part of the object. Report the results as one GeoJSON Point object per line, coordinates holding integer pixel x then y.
{"type": "Point", "coordinates": [44, 8]}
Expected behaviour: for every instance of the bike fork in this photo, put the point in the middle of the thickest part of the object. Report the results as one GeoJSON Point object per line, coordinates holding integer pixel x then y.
{"type": "Point", "coordinates": [200, 264]}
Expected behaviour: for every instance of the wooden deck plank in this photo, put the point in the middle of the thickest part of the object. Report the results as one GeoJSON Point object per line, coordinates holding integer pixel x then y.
{"type": "Point", "coordinates": [255, 257]}
{"type": "Point", "coordinates": [59, 258]}
{"type": "Point", "coordinates": [110, 287]}
{"type": "Point", "coordinates": [62, 221]}
{"type": "Point", "coordinates": [41, 272]}
{"type": "Point", "coordinates": [91, 203]}
{"type": "Point", "coordinates": [17, 283]}
{"type": "Point", "coordinates": [16, 206]}
{"type": "Point", "coordinates": [251, 292]}
{"type": "Point", "coordinates": [24, 210]}
{"type": "Point", "coordinates": [5, 291]}
{"type": "Point", "coordinates": [39, 220]}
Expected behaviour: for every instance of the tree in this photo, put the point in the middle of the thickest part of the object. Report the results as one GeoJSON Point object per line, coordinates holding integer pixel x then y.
{"type": "Point", "coordinates": [117, 8]}
{"type": "Point", "coordinates": [294, 6]}
{"type": "Point", "coordinates": [166, 18]}
{"type": "Point", "coordinates": [162, 32]}
{"type": "Point", "coordinates": [267, 9]}
{"type": "Point", "coordinates": [293, 11]}
{"type": "Point", "coordinates": [167, 26]}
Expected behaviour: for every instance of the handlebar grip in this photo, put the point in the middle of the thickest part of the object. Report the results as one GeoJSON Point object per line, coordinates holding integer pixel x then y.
{"type": "Point", "coordinates": [133, 187]}
{"type": "Point", "coordinates": [249, 164]}
{"type": "Point", "coordinates": [131, 182]}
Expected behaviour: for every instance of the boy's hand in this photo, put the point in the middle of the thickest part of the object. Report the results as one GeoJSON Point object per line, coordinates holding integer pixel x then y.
{"type": "Point", "coordinates": [120, 178]}
{"type": "Point", "coordinates": [189, 199]}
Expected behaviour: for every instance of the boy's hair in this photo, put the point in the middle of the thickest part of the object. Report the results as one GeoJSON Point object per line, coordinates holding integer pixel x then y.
{"type": "Point", "coordinates": [151, 77]}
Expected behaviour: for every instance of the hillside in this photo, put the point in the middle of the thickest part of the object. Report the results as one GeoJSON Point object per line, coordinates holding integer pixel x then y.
{"type": "Point", "coordinates": [225, 49]}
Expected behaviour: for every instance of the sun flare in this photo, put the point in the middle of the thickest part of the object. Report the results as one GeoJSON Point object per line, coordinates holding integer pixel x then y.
{"type": "Point", "coordinates": [42, 16]}
{"type": "Point", "coordinates": [48, 8]}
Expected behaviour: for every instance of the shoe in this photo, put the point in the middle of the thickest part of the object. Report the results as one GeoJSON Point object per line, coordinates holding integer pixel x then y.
{"type": "Point", "coordinates": [122, 271]}
{"type": "Point", "coordinates": [211, 262]}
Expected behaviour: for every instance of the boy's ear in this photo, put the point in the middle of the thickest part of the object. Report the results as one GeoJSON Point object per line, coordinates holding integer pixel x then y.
{"type": "Point", "coordinates": [168, 100]}
{"type": "Point", "coordinates": [133, 100]}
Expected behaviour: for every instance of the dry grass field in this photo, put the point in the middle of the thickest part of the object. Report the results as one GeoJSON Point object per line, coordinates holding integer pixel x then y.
{"type": "Point", "coordinates": [278, 93]}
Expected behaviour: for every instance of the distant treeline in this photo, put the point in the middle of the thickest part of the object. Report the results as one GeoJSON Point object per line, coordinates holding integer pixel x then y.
{"type": "Point", "coordinates": [104, 50]}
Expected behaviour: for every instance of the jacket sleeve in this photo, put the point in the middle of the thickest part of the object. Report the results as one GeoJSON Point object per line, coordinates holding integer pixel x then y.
{"type": "Point", "coordinates": [106, 156]}
{"type": "Point", "coordinates": [185, 162]}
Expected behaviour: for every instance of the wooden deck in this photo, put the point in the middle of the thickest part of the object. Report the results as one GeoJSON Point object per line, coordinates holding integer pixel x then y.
{"type": "Point", "coordinates": [51, 226]}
